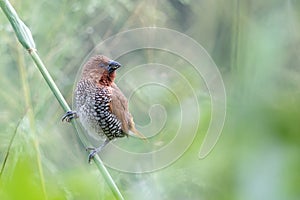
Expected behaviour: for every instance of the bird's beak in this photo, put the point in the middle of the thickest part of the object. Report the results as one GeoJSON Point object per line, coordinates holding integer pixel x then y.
{"type": "Point", "coordinates": [112, 66]}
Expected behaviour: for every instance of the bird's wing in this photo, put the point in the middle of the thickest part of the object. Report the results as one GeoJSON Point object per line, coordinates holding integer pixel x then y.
{"type": "Point", "coordinates": [119, 107]}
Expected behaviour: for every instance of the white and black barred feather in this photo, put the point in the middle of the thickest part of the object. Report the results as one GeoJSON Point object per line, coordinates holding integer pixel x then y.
{"type": "Point", "coordinates": [93, 108]}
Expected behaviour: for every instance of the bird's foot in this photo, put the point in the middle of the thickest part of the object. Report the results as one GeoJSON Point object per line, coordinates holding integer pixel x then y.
{"type": "Point", "coordinates": [69, 116]}
{"type": "Point", "coordinates": [92, 154]}
{"type": "Point", "coordinates": [94, 151]}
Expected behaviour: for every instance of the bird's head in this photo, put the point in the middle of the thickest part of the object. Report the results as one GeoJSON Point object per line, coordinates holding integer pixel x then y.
{"type": "Point", "coordinates": [110, 66]}
{"type": "Point", "coordinates": [101, 69]}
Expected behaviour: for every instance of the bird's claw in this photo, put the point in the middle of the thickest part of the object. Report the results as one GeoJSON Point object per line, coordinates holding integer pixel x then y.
{"type": "Point", "coordinates": [69, 116]}
{"type": "Point", "coordinates": [93, 152]}
{"type": "Point", "coordinates": [92, 155]}
{"type": "Point", "coordinates": [90, 148]}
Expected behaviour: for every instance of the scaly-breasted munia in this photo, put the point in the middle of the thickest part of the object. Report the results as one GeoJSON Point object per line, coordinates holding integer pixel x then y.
{"type": "Point", "coordinates": [99, 104]}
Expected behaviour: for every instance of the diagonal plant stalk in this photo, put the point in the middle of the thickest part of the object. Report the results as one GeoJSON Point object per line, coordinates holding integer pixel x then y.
{"type": "Point", "coordinates": [25, 38]}
{"type": "Point", "coordinates": [9, 148]}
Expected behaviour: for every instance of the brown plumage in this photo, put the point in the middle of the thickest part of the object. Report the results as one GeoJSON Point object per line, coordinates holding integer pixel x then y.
{"type": "Point", "coordinates": [100, 105]}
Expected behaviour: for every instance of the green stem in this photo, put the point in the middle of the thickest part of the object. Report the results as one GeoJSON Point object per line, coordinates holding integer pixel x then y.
{"type": "Point", "coordinates": [40, 65]}
{"type": "Point", "coordinates": [8, 149]}
{"type": "Point", "coordinates": [25, 38]}
{"type": "Point", "coordinates": [22, 31]}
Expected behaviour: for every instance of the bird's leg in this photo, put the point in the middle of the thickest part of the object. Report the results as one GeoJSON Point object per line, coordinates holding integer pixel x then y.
{"type": "Point", "coordinates": [69, 116]}
{"type": "Point", "coordinates": [94, 151]}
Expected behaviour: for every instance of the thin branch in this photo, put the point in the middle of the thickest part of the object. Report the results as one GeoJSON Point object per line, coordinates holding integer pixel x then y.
{"type": "Point", "coordinates": [9, 147]}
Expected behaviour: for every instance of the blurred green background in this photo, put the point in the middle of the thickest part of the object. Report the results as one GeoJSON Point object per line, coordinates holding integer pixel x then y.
{"type": "Point", "coordinates": [255, 45]}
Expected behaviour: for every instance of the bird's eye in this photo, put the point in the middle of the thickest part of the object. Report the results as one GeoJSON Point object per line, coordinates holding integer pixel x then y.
{"type": "Point", "coordinates": [101, 65]}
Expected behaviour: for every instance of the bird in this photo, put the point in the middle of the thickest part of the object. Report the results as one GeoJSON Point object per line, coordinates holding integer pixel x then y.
{"type": "Point", "coordinates": [100, 105]}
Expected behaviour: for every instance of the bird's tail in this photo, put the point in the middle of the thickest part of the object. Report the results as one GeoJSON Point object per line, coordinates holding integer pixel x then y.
{"type": "Point", "coordinates": [136, 133]}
